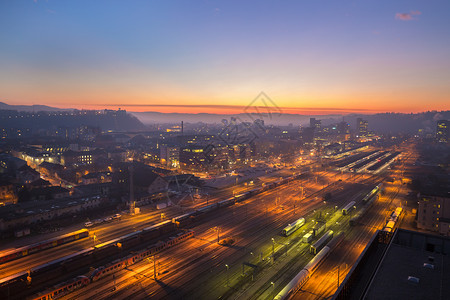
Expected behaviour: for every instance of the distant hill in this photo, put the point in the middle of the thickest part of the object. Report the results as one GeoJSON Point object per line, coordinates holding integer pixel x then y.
{"type": "Point", "coordinates": [54, 119]}
{"type": "Point", "coordinates": [31, 108]}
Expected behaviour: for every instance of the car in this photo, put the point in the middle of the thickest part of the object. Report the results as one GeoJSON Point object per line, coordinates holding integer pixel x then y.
{"type": "Point", "coordinates": [227, 241]}
{"type": "Point", "coordinates": [88, 224]}
{"type": "Point", "coordinates": [108, 219]}
{"type": "Point", "coordinates": [117, 216]}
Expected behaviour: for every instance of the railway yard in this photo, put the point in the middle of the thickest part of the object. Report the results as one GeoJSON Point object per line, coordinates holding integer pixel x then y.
{"type": "Point", "coordinates": [234, 247]}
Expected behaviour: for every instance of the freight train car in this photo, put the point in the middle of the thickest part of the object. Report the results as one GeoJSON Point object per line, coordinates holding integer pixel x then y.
{"type": "Point", "coordinates": [9, 255]}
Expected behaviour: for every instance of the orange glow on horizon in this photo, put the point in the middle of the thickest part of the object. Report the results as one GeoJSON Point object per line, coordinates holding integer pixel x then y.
{"type": "Point", "coordinates": [236, 109]}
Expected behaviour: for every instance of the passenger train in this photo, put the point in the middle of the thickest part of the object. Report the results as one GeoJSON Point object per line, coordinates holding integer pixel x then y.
{"type": "Point", "coordinates": [302, 277]}
{"type": "Point", "coordinates": [81, 281]}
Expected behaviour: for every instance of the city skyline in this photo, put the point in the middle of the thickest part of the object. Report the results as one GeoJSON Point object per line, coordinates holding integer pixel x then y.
{"type": "Point", "coordinates": [216, 57]}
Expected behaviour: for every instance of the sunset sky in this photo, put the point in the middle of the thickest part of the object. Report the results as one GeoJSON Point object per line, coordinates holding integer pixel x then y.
{"type": "Point", "coordinates": [217, 56]}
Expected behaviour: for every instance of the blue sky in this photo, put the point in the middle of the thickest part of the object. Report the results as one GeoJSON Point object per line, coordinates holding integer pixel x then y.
{"type": "Point", "coordinates": [380, 55]}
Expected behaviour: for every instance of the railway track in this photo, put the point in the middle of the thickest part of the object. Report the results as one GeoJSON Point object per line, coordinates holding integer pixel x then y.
{"type": "Point", "coordinates": [246, 221]}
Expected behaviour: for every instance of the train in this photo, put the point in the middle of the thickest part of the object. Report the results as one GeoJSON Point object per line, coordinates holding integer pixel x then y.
{"type": "Point", "coordinates": [100, 272]}
{"type": "Point", "coordinates": [302, 277]}
{"type": "Point", "coordinates": [291, 228]}
{"type": "Point", "coordinates": [372, 193]}
{"type": "Point", "coordinates": [318, 228]}
{"type": "Point", "coordinates": [320, 243]}
{"type": "Point", "coordinates": [397, 212]}
{"type": "Point", "coordinates": [9, 255]}
{"type": "Point", "coordinates": [188, 218]}
{"type": "Point", "coordinates": [307, 237]}
{"type": "Point", "coordinates": [390, 224]}
{"type": "Point", "coordinates": [368, 200]}
{"type": "Point", "coordinates": [348, 208]}
{"type": "Point", "coordinates": [52, 270]}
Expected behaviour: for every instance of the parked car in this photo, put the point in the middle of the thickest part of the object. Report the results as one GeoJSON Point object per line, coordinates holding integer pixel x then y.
{"type": "Point", "coordinates": [88, 224]}
{"type": "Point", "coordinates": [117, 216]}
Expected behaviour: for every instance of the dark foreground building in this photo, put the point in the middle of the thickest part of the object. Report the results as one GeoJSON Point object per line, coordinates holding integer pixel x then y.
{"type": "Point", "coordinates": [407, 265]}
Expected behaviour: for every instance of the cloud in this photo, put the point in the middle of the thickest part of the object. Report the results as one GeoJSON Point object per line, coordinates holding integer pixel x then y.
{"type": "Point", "coordinates": [407, 16]}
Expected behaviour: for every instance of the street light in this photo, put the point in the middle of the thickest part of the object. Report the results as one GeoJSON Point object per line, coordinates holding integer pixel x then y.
{"type": "Point", "coordinates": [94, 238]}
{"type": "Point", "coordinates": [227, 274]}
{"type": "Point", "coordinates": [273, 249]}
{"type": "Point", "coordinates": [154, 266]}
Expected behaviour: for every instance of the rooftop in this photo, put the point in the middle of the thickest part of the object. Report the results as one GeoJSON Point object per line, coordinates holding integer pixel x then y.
{"type": "Point", "coordinates": [413, 254]}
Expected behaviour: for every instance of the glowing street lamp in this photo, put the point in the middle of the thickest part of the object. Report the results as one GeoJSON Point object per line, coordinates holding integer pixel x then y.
{"type": "Point", "coordinates": [227, 275]}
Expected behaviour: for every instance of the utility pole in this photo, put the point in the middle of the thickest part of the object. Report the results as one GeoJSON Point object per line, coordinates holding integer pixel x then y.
{"type": "Point", "coordinates": [218, 236]}
{"type": "Point", "coordinates": [154, 267]}
{"type": "Point", "coordinates": [132, 203]}
{"type": "Point", "coordinates": [338, 277]}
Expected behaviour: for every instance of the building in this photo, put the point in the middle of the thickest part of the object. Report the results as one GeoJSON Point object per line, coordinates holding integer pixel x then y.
{"type": "Point", "coordinates": [105, 189]}
{"type": "Point", "coordinates": [9, 164]}
{"type": "Point", "coordinates": [7, 194]}
{"type": "Point", "coordinates": [362, 127]}
{"type": "Point", "coordinates": [71, 158]}
{"type": "Point", "coordinates": [313, 123]}
{"type": "Point", "coordinates": [27, 175]}
{"type": "Point", "coordinates": [239, 153]}
{"type": "Point", "coordinates": [144, 178]}
{"type": "Point", "coordinates": [170, 156]}
{"type": "Point", "coordinates": [96, 177]}
{"type": "Point", "coordinates": [442, 131]}
{"type": "Point", "coordinates": [434, 214]}
{"type": "Point", "coordinates": [50, 170]}
{"type": "Point", "coordinates": [49, 193]}
{"type": "Point", "coordinates": [409, 265]}
{"type": "Point", "coordinates": [27, 214]}
{"type": "Point", "coordinates": [116, 154]}
{"type": "Point", "coordinates": [193, 157]}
